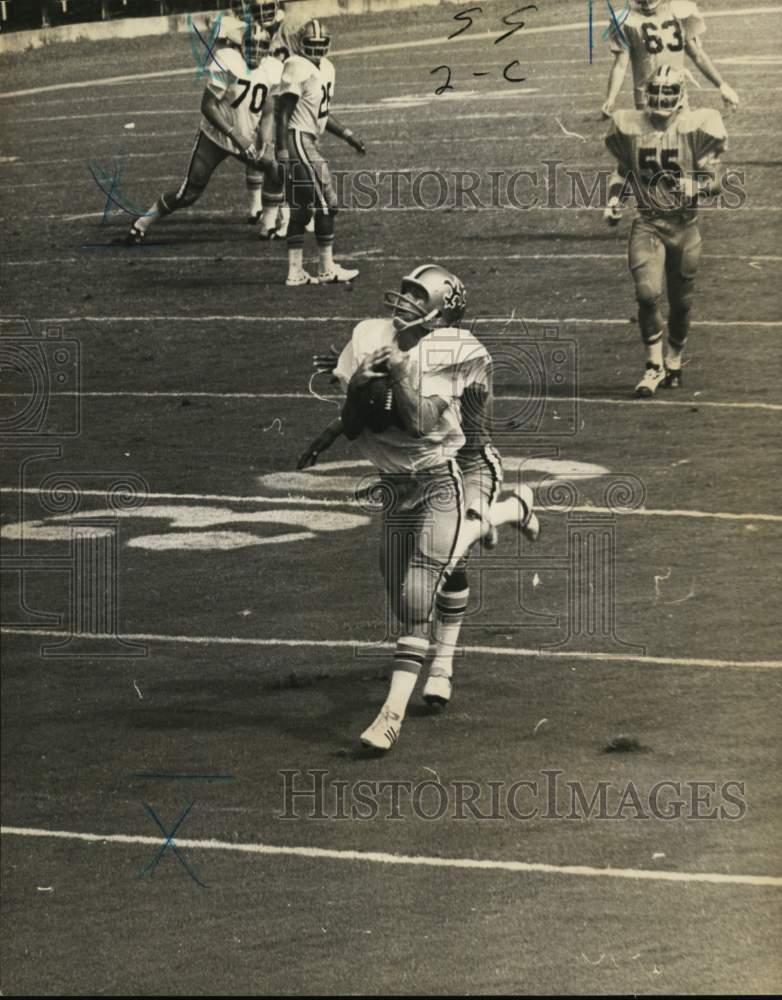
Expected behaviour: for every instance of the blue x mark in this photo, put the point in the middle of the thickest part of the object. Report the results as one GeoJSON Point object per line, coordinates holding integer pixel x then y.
{"type": "Point", "coordinates": [169, 842]}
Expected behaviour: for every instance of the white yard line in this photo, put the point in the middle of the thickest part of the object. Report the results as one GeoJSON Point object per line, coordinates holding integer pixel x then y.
{"type": "Point", "coordinates": [317, 502]}
{"type": "Point", "coordinates": [416, 861]}
{"type": "Point", "coordinates": [484, 321]}
{"type": "Point", "coordinates": [688, 403]}
{"type": "Point", "coordinates": [544, 654]}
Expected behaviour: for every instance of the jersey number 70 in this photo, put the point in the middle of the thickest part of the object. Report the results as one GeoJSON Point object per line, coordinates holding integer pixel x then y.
{"type": "Point", "coordinates": [260, 90]}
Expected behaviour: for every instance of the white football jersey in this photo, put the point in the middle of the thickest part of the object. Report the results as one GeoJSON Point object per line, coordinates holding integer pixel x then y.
{"type": "Point", "coordinates": [314, 87]}
{"type": "Point", "coordinates": [444, 363]}
{"type": "Point", "coordinates": [244, 94]}
{"type": "Point", "coordinates": [657, 39]}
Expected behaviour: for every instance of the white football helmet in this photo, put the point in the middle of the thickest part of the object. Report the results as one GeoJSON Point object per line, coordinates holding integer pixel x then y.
{"type": "Point", "coordinates": [313, 40]}
{"type": "Point", "coordinates": [257, 42]}
{"type": "Point", "coordinates": [665, 91]}
{"type": "Point", "coordinates": [647, 6]}
{"type": "Point", "coordinates": [444, 299]}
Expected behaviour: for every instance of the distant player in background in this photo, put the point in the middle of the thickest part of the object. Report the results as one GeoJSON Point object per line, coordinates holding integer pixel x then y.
{"type": "Point", "coordinates": [237, 120]}
{"type": "Point", "coordinates": [414, 435]}
{"type": "Point", "coordinates": [656, 33]}
{"type": "Point", "coordinates": [669, 157]}
{"type": "Point", "coordinates": [306, 93]}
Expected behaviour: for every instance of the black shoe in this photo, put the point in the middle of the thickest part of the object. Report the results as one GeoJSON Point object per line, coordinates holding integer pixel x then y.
{"type": "Point", "coordinates": [673, 378]}
{"type": "Point", "coordinates": [135, 237]}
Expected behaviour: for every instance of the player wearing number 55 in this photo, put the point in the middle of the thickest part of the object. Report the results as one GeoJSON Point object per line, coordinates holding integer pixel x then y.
{"type": "Point", "coordinates": [655, 33]}
{"type": "Point", "coordinates": [669, 157]}
{"type": "Point", "coordinates": [237, 120]}
{"type": "Point", "coordinates": [303, 115]}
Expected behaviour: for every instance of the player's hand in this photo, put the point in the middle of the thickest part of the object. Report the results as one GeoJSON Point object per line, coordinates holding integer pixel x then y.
{"type": "Point", "coordinates": [397, 361]}
{"type": "Point", "coordinates": [687, 188]}
{"type": "Point", "coordinates": [324, 364]}
{"type": "Point", "coordinates": [729, 96]}
{"type": "Point", "coordinates": [607, 110]}
{"type": "Point", "coordinates": [249, 151]}
{"type": "Point", "coordinates": [355, 142]}
{"type": "Point", "coordinates": [309, 456]}
{"type": "Point", "coordinates": [373, 366]}
{"type": "Point", "coordinates": [612, 213]}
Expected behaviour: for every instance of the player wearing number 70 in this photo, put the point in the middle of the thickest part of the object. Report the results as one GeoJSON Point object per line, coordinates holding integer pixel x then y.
{"type": "Point", "coordinates": [237, 120]}
{"type": "Point", "coordinates": [656, 33]}
{"type": "Point", "coordinates": [303, 115]}
{"type": "Point", "coordinates": [669, 157]}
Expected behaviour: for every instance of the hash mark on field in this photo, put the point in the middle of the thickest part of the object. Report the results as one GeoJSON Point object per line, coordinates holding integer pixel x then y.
{"type": "Point", "coordinates": [380, 857]}
{"type": "Point", "coordinates": [544, 654]}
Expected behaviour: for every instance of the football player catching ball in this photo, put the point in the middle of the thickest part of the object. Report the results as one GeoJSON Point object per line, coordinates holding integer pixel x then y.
{"type": "Point", "coordinates": [408, 381]}
{"type": "Point", "coordinates": [669, 156]}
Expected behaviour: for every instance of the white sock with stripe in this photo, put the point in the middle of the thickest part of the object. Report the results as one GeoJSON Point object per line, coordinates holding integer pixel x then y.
{"type": "Point", "coordinates": [408, 660]}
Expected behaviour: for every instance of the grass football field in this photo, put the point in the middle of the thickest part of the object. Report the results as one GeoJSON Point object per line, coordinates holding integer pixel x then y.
{"type": "Point", "coordinates": [248, 597]}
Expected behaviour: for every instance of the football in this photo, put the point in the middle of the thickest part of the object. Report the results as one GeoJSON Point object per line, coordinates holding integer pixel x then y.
{"type": "Point", "coordinates": [378, 405]}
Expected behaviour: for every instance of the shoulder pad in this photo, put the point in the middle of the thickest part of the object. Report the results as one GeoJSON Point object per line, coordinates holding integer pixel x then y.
{"type": "Point", "coordinates": [228, 60]}
{"type": "Point", "coordinates": [707, 120]}
{"type": "Point", "coordinates": [629, 122]}
{"type": "Point", "coordinates": [297, 69]}
{"type": "Point", "coordinates": [272, 69]}
{"type": "Point", "coordinates": [688, 13]}
{"type": "Point", "coordinates": [370, 334]}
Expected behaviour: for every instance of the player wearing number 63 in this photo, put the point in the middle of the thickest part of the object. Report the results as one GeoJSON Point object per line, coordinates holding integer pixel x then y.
{"type": "Point", "coordinates": [304, 114]}
{"type": "Point", "coordinates": [237, 120]}
{"type": "Point", "coordinates": [656, 33]}
{"type": "Point", "coordinates": [668, 156]}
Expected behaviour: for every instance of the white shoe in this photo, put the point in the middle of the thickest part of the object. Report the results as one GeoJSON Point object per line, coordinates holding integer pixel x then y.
{"type": "Point", "coordinates": [384, 731]}
{"type": "Point", "coordinates": [528, 524]}
{"type": "Point", "coordinates": [337, 274]}
{"type": "Point", "coordinates": [653, 376]}
{"type": "Point", "coordinates": [300, 277]}
{"type": "Point", "coordinates": [437, 690]}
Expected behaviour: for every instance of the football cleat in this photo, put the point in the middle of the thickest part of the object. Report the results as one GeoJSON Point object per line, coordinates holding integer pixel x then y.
{"type": "Point", "coordinates": [135, 236]}
{"type": "Point", "coordinates": [254, 218]}
{"type": "Point", "coordinates": [653, 376]}
{"type": "Point", "coordinates": [300, 277]}
{"type": "Point", "coordinates": [269, 234]}
{"type": "Point", "coordinates": [437, 690]}
{"type": "Point", "coordinates": [384, 731]}
{"type": "Point", "coordinates": [528, 524]}
{"type": "Point", "coordinates": [673, 378]}
{"type": "Point", "coordinates": [337, 274]}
